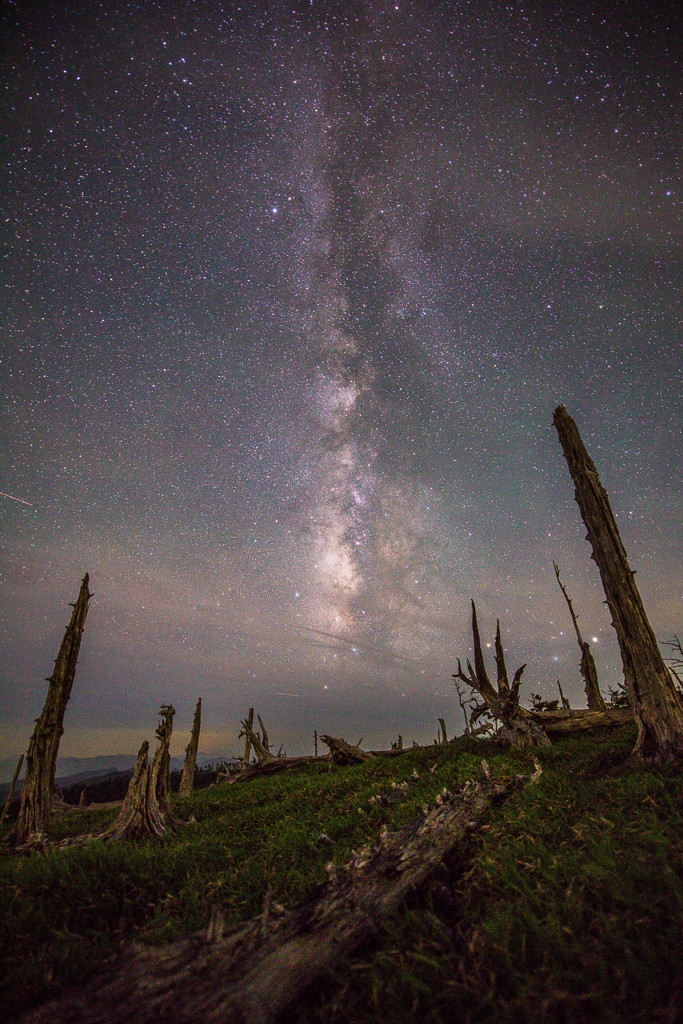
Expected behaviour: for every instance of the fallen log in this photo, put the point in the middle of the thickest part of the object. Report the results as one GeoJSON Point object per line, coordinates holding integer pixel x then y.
{"type": "Point", "coordinates": [273, 765]}
{"type": "Point", "coordinates": [345, 753]}
{"type": "Point", "coordinates": [252, 973]}
{"type": "Point", "coordinates": [562, 723]}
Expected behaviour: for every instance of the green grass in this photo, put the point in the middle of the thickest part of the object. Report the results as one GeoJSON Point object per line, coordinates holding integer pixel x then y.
{"type": "Point", "coordinates": [566, 906]}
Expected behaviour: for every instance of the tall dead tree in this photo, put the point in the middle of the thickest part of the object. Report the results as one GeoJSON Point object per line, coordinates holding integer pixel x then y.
{"type": "Point", "coordinates": [518, 726]}
{"type": "Point", "coordinates": [187, 779]}
{"type": "Point", "coordinates": [588, 670]}
{"type": "Point", "coordinates": [656, 706]}
{"type": "Point", "coordinates": [41, 757]}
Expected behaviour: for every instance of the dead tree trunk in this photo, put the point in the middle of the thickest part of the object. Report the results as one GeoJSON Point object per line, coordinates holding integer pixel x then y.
{"type": "Point", "coordinates": [187, 779]}
{"type": "Point", "coordinates": [656, 706]}
{"type": "Point", "coordinates": [10, 795]}
{"type": "Point", "coordinates": [565, 703]}
{"type": "Point", "coordinates": [588, 670]}
{"type": "Point", "coordinates": [41, 758]}
{"type": "Point", "coordinates": [255, 971]}
{"type": "Point", "coordinates": [519, 728]}
{"type": "Point", "coordinates": [247, 732]}
{"type": "Point", "coordinates": [146, 809]}
{"type": "Point", "coordinates": [252, 739]}
{"type": "Point", "coordinates": [443, 735]}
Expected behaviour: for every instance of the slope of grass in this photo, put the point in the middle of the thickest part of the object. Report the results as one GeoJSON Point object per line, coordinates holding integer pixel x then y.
{"type": "Point", "coordinates": [566, 905]}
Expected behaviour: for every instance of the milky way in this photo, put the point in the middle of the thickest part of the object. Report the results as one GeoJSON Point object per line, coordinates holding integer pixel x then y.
{"type": "Point", "coordinates": [290, 296]}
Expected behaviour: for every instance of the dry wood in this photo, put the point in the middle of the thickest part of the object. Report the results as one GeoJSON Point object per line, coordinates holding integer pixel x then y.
{"type": "Point", "coordinates": [557, 724]}
{"type": "Point", "coordinates": [187, 778]}
{"type": "Point", "coordinates": [519, 728]}
{"type": "Point", "coordinates": [41, 758]}
{"type": "Point", "coordinates": [589, 672]}
{"type": "Point", "coordinates": [252, 973]}
{"type": "Point", "coordinates": [10, 794]}
{"type": "Point", "coordinates": [272, 766]}
{"type": "Point", "coordinates": [252, 739]}
{"type": "Point", "coordinates": [443, 735]}
{"type": "Point", "coordinates": [146, 809]}
{"type": "Point", "coordinates": [344, 753]}
{"type": "Point", "coordinates": [246, 732]}
{"type": "Point", "coordinates": [565, 703]}
{"type": "Point", "coordinates": [656, 706]}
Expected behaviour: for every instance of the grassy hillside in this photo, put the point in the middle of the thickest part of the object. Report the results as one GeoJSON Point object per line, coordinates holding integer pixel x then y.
{"type": "Point", "coordinates": [566, 906]}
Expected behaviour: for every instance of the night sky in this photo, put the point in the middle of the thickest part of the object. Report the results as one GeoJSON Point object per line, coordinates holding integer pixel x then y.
{"type": "Point", "coordinates": [290, 293]}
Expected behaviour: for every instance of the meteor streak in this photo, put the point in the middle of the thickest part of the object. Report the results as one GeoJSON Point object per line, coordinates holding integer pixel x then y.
{"type": "Point", "coordinates": [3, 495]}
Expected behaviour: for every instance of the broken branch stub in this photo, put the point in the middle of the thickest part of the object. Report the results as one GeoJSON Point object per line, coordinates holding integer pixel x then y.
{"type": "Point", "coordinates": [41, 757]}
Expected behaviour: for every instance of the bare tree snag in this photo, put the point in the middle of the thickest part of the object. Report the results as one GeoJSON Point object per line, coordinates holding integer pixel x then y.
{"type": "Point", "coordinates": [519, 728]}
{"type": "Point", "coordinates": [146, 809]}
{"type": "Point", "coordinates": [656, 706]}
{"type": "Point", "coordinates": [589, 672]}
{"type": "Point", "coordinates": [187, 778]}
{"type": "Point", "coordinates": [41, 758]}
{"type": "Point", "coordinates": [252, 739]}
{"type": "Point", "coordinates": [344, 753]}
{"type": "Point", "coordinates": [315, 741]}
{"type": "Point", "coordinates": [254, 972]}
{"type": "Point", "coordinates": [443, 735]}
{"type": "Point", "coordinates": [264, 735]}
{"type": "Point", "coordinates": [565, 703]}
{"type": "Point", "coordinates": [10, 794]}
{"type": "Point", "coordinates": [247, 731]}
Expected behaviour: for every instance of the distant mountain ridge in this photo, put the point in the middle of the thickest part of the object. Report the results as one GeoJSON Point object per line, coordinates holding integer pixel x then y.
{"type": "Point", "coordinates": [87, 769]}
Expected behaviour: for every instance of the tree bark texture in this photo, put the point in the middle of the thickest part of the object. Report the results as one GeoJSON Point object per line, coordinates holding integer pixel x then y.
{"type": "Point", "coordinates": [146, 809]}
{"type": "Point", "coordinates": [187, 778]}
{"type": "Point", "coordinates": [252, 973]}
{"type": "Point", "coordinates": [41, 757]}
{"type": "Point", "coordinates": [594, 698]}
{"type": "Point", "coordinates": [656, 706]}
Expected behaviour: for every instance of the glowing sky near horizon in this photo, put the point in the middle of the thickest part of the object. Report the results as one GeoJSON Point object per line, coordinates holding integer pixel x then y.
{"type": "Point", "coordinates": [290, 295]}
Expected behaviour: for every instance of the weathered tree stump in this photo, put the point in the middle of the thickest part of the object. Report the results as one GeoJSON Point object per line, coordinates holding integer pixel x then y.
{"type": "Point", "coordinates": [41, 758]}
{"type": "Point", "coordinates": [519, 728]}
{"type": "Point", "coordinates": [187, 778]}
{"type": "Point", "coordinates": [146, 809]}
{"type": "Point", "coordinates": [656, 706]}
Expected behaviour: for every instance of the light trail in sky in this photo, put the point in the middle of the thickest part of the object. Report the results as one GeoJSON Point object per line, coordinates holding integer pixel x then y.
{"type": "Point", "coordinates": [3, 495]}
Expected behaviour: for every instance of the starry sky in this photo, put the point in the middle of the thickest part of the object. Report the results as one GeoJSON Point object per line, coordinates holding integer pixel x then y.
{"type": "Point", "coordinates": [290, 293]}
